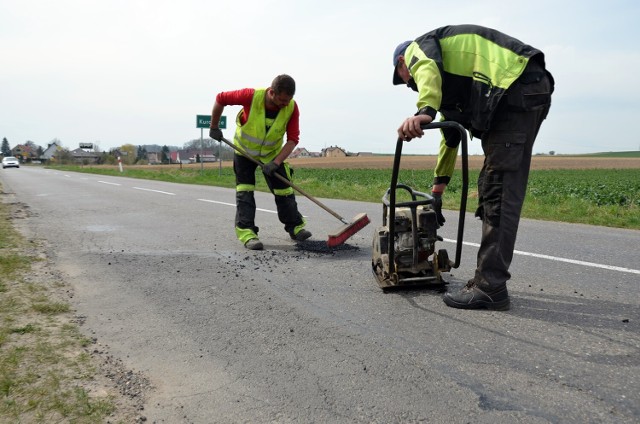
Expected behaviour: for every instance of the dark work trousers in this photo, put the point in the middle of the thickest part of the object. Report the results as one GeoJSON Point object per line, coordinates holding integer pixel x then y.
{"type": "Point", "coordinates": [502, 182]}
{"type": "Point", "coordinates": [286, 205]}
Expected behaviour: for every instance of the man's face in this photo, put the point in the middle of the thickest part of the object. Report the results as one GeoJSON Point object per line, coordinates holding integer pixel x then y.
{"type": "Point", "coordinates": [405, 75]}
{"type": "Point", "coordinates": [279, 100]}
{"type": "Point", "coordinates": [402, 70]}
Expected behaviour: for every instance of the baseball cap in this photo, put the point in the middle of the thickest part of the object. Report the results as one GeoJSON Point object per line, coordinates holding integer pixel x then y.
{"type": "Point", "coordinates": [399, 51]}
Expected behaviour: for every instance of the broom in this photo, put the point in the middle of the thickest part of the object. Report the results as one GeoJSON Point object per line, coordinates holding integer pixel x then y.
{"type": "Point", "coordinates": [336, 238]}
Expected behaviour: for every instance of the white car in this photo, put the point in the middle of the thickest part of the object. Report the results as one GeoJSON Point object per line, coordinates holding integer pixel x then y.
{"type": "Point", "coordinates": [9, 162]}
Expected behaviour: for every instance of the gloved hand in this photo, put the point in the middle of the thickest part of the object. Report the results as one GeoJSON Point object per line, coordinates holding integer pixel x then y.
{"type": "Point", "coordinates": [215, 133]}
{"type": "Point", "coordinates": [437, 206]}
{"type": "Point", "coordinates": [270, 168]}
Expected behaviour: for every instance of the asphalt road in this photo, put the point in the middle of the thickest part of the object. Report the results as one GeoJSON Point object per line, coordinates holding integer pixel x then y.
{"type": "Point", "coordinates": [304, 334]}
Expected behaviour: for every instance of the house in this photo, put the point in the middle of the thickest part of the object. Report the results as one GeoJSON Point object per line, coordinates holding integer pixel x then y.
{"type": "Point", "coordinates": [334, 152]}
{"type": "Point", "coordinates": [192, 155]}
{"type": "Point", "coordinates": [154, 154]}
{"type": "Point", "coordinates": [300, 152]}
{"type": "Point", "coordinates": [84, 157]}
{"type": "Point", "coordinates": [23, 152]}
{"type": "Point", "coordinates": [51, 151]}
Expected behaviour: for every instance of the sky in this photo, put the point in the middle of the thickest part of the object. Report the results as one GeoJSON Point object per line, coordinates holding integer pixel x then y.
{"type": "Point", "coordinates": [138, 72]}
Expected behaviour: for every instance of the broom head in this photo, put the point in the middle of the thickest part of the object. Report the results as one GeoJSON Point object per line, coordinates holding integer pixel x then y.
{"type": "Point", "coordinates": [358, 223]}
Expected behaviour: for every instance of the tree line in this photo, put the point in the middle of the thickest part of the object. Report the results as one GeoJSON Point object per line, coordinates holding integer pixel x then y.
{"type": "Point", "coordinates": [129, 154]}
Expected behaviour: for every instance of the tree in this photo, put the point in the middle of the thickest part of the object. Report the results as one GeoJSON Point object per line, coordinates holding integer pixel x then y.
{"type": "Point", "coordinates": [142, 154]}
{"type": "Point", "coordinates": [128, 154]}
{"type": "Point", "coordinates": [6, 150]}
{"type": "Point", "coordinates": [226, 152]}
{"type": "Point", "coordinates": [207, 143]}
{"type": "Point", "coordinates": [109, 158]}
{"type": "Point", "coordinates": [63, 156]}
{"type": "Point", "coordinates": [55, 141]}
{"type": "Point", "coordinates": [166, 158]}
{"type": "Point", "coordinates": [34, 150]}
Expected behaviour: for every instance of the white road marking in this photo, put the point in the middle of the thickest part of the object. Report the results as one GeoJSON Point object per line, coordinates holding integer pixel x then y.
{"type": "Point", "coordinates": [219, 203]}
{"type": "Point", "coordinates": [231, 204]}
{"type": "Point", "coordinates": [557, 259]}
{"type": "Point", "coordinates": [107, 182]}
{"type": "Point", "coordinates": [155, 191]}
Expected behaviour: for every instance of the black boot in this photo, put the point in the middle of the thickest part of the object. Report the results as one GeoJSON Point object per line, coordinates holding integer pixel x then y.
{"type": "Point", "coordinates": [472, 297]}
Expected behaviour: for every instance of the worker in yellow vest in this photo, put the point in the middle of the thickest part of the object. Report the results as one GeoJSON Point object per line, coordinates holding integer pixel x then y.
{"type": "Point", "coordinates": [267, 115]}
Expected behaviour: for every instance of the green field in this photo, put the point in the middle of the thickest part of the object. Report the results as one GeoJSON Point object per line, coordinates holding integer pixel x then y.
{"type": "Point", "coordinates": [629, 154]}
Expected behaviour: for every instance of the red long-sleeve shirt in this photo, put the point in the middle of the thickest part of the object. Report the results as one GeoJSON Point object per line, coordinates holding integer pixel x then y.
{"type": "Point", "coordinates": [243, 97]}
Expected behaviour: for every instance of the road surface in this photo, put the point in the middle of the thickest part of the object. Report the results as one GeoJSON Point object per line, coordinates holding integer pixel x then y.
{"type": "Point", "coordinates": [304, 334]}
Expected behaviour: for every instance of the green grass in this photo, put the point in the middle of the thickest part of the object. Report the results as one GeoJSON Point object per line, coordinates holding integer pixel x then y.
{"type": "Point", "coordinates": [43, 363]}
{"type": "Point", "coordinates": [629, 154]}
{"type": "Point", "coordinates": [608, 197]}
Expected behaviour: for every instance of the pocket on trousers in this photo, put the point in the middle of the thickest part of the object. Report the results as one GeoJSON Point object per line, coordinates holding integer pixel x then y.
{"type": "Point", "coordinates": [504, 150]}
{"type": "Point", "coordinates": [531, 92]}
{"type": "Point", "coordinates": [534, 101]}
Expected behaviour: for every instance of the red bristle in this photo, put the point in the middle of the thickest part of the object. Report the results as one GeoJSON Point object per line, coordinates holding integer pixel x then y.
{"type": "Point", "coordinates": [360, 221]}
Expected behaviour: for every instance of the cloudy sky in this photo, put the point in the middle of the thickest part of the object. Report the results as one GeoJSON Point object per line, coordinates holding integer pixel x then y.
{"type": "Point", "coordinates": [137, 71]}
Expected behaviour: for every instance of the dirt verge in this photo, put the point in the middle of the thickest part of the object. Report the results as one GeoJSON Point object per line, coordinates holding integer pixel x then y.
{"type": "Point", "coordinates": [111, 380]}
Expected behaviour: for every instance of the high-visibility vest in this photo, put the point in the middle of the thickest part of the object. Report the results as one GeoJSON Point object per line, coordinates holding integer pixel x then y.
{"type": "Point", "coordinates": [463, 71]}
{"type": "Point", "coordinates": [261, 137]}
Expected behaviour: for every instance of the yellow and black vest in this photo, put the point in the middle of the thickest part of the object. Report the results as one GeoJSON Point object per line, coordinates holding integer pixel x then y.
{"type": "Point", "coordinates": [463, 71]}
{"type": "Point", "coordinates": [262, 137]}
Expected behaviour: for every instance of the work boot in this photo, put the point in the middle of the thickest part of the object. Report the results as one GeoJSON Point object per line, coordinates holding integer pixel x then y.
{"type": "Point", "coordinates": [472, 297]}
{"type": "Point", "coordinates": [254, 244]}
{"type": "Point", "coordinates": [301, 236]}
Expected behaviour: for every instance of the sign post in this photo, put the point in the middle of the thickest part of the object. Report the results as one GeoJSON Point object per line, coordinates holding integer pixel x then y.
{"type": "Point", "coordinates": [204, 121]}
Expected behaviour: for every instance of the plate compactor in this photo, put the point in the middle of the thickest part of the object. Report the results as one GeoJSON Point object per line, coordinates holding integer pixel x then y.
{"type": "Point", "coordinates": [404, 248]}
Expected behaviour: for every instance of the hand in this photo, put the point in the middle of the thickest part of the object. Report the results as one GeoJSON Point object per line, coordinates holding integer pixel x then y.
{"type": "Point", "coordinates": [215, 133]}
{"type": "Point", "coordinates": [437, 206]}
{"type": "Point", "coordinates": [270, 168]}
{"type": "Point", "coordinates": [410, 128]}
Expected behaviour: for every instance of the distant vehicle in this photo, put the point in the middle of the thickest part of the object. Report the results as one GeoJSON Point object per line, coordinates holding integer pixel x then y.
{"type": "Point", "coordinates": [9, 162]}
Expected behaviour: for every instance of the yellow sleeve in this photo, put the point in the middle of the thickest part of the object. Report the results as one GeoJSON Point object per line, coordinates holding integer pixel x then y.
{"type": "Point", "coordinates": [427, 76]}
{"type": "Point", "coordinates": [446, 160]}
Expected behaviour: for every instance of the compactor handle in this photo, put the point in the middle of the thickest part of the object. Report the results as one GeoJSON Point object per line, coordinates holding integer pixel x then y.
{"type": "Point", "coordinates": [465, 180]}
{"type": "Point", "coordinates": [463, 195]}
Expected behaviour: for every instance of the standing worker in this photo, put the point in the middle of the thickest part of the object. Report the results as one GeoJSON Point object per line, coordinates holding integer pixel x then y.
{"type": "Point", "coordinates": [498, 88]}
{"type": "Point", "coordinates": [267, 114]}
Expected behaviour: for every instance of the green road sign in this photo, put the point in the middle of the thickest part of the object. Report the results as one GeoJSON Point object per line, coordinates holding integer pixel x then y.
{"type": "Point", "coordinates": [204, 121]}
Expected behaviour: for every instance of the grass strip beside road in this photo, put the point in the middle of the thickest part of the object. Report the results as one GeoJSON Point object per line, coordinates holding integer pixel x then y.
{"type": "Point", "coordinates": [606, 197]}
{"type": "Point", "coordinates": [44, 366]}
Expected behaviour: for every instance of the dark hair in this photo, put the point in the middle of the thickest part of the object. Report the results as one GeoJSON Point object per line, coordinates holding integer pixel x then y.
{"type": "Point", "coordinates": [284, 84]}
